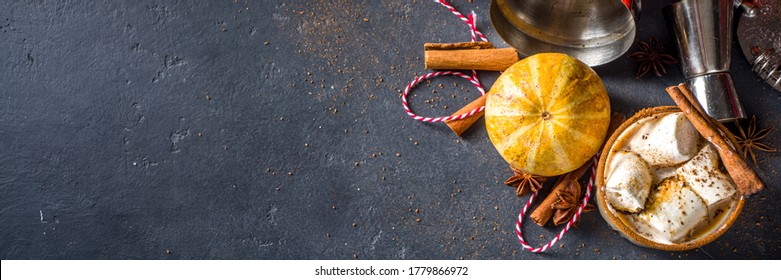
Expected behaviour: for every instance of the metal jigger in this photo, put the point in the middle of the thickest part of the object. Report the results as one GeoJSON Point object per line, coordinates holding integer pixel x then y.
{"type": "Point", "coordinates": [703, 32]}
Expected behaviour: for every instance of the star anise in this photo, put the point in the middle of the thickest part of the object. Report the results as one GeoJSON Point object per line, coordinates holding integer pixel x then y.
{"type": "Point", "coordinates": [652, 56]}
{"type": "Point", "coordinates": [524, 182]}
{"type": "Point", "coordinates": [567, 204]}
{"type": "Point", "coordinates": [750, 141]}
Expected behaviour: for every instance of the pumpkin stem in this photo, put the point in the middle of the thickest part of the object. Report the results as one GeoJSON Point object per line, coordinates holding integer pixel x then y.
{"type": "Point", "coordinates": [545, 115]}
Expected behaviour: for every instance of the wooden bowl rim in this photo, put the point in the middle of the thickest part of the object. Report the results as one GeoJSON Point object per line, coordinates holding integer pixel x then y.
{"type": "Point", "coordinates": [626, 230]}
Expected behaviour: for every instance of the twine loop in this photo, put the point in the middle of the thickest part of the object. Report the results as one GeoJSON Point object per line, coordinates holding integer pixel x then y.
{"type": "Point", "coordinates": [571, 222]}
{"type": "Point", "coordinates": [470, 21]}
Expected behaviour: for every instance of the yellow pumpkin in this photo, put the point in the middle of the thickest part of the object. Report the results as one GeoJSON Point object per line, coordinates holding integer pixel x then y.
{"type": "Point", "coordinates": [547, 114]}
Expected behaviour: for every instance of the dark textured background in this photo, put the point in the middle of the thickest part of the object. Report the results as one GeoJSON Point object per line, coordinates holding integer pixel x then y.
{"type": "Point", "coordinates": [269, 130]}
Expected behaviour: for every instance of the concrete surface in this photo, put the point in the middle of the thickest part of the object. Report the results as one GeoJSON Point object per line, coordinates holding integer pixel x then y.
{"type": "Point", "coordinates": [274, 130]}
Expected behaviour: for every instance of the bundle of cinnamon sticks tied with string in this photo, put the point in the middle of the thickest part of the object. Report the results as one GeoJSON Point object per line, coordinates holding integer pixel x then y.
{"type": "Point", "coordinates": [468, 55]}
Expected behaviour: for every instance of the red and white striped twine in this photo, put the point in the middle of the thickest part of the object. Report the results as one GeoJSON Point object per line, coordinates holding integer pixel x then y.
{"type": "Point", "coordinates": [472, 79]}
{"type": "Point", "coordinates": [470, 21]}
{"type": "Point", "coordinates": [574, 219]}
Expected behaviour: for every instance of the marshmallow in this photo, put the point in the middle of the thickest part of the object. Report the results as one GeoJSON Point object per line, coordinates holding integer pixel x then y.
{"type": "Point", "coordinates": [667, 141]}
{"type": "Point", "coordinates": [674, 210]}
{"type": "Point", "coordinates": [702, 174]}
{"type": "Point", "coordinates": [629, 183]}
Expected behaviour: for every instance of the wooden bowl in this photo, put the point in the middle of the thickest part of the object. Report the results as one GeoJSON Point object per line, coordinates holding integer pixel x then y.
{"type": "Point", "coordinates": [611, 216]}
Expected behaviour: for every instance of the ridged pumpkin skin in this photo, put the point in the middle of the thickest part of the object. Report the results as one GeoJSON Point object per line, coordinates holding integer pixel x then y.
{"type": "Point", "coordinates": [547, 114]}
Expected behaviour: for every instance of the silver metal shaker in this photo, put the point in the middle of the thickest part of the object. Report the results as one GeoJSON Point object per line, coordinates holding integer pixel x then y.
{"type": "Point", "coordinates": [703, 32]}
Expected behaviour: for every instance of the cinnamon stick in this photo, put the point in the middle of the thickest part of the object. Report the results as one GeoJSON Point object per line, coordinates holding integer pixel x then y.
{"type": "Point", "coordinates": [459, 126]}
{"type": "Point", "coordinates": [745, 179]}
{"type": "Point", "coordinates": [542, 214]}
{"type": "Point", "coordinates": [458, 46]}
{"type": "Point", "coordinates": [459, 56]}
